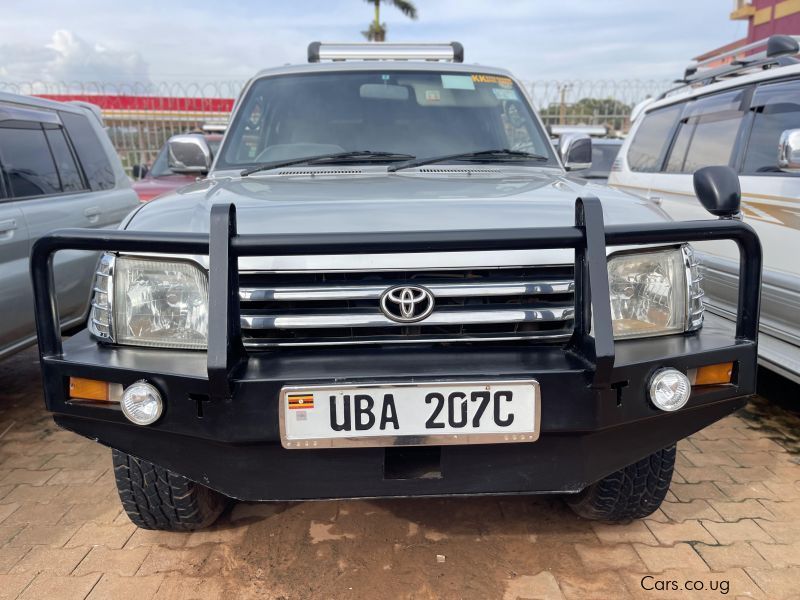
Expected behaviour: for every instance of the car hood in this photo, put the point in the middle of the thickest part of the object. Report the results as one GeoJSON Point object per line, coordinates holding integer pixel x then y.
{"type": "Point", "coordinates": [389, 202]}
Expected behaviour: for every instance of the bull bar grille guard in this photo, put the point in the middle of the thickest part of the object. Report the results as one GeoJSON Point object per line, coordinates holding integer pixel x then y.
{"type": "Point", "coordinates": [223, 245]}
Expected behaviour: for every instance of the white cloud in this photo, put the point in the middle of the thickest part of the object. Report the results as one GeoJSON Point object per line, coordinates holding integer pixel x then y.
{"type": "Point", "coordinates": [78, 60]}
{"type": "Point", "coordinates": [69, 58]}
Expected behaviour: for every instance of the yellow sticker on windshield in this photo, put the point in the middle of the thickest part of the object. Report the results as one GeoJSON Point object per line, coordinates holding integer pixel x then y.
{"type": "Point", "coordinates": [497, 79]}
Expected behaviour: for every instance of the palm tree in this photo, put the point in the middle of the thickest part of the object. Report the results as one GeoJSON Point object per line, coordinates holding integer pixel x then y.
{"type": "Point", "coordinates": [377, 30]}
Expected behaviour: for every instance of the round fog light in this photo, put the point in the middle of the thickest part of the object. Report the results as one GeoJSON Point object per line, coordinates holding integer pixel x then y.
{"type": "Point", "coordinates": [669, 389]}
{"type": "Point", "coordinates": [142, 403]}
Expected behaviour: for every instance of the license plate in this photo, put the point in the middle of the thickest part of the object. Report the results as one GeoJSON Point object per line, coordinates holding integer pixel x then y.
{"type": "Point", "coordinates": [409, 414]}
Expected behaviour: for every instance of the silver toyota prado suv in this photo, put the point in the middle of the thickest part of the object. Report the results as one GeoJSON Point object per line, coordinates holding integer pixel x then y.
{"type": "Point", "coordinates": [390, 285]}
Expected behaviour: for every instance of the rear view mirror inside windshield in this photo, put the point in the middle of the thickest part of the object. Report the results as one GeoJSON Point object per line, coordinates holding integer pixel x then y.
{"type": "Point", "coordinates": [382, 91]}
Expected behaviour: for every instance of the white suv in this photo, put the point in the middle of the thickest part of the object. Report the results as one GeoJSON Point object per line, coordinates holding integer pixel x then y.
{"type": "Point", "coordinates": [745, 114]}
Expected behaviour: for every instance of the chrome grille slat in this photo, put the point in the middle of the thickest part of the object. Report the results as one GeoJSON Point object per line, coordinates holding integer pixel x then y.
{"type": "Point", "coordinates": [377, 319]}
{"type": "Point", "coordinates": [370, 292]}
{"type": "Point", "coordinates": [343, 307]}
{"type": "Point", "coordinates": [440, 339]}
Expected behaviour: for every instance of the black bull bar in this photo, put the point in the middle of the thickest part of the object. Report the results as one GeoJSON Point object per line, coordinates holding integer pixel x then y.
{"type": "Point", "coordinates": [589, 237]}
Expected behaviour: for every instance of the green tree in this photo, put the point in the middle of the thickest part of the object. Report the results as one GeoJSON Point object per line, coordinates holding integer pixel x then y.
{"type": "Point", "coordinates": [377, 30]}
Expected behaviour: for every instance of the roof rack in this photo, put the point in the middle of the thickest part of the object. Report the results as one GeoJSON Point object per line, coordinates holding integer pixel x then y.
{"type": "Point", "coordinates": [779, 51]}
{"type": "Point", "coordinates": [452, 52]}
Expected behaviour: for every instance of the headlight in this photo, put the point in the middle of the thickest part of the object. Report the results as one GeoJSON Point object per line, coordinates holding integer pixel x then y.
{"type": "Point", "coordinates": [150, 302]}
{"type": "Point", "coordinates": [655, 292]}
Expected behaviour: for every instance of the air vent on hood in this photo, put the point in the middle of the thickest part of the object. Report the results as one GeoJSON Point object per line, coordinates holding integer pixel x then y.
{"type": "Point", "coordinates": [319, 173]}
{"type": "Point", "coordinates": [458, 171]}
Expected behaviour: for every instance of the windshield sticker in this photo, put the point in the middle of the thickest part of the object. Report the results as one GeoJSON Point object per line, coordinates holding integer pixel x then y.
{"type": "Point", "coordinates": [432, 96]}
{"type": "Point", "coordinates": [504, 94]}
{"type": "Point", "coordinates": [505, 82]}
{"type": "Point", "coordinates": [458, 82]}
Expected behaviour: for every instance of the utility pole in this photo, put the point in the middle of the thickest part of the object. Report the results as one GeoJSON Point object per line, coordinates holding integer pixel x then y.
{"type": "Point", "coordinates": [562, 108]}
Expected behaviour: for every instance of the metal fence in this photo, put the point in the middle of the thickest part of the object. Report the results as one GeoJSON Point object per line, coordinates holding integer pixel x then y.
{"type": "Point", "coordinates": [606, 103]}
{"type": "Point", "coordinates": [140, 117]}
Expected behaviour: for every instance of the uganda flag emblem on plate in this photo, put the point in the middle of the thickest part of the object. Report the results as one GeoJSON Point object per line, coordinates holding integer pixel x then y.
{"type": "Point", "coordinates": [300, 401]}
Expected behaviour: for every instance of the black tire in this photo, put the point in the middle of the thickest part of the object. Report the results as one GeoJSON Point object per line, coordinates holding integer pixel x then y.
{"type": "Point", "coordinates": [156, 498]}
{"type": "Point", "coordinates": [630, 493]}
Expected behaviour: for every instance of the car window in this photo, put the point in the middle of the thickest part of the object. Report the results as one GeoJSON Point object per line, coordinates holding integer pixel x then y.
{"type": "Point", "coordinates": [707, 133]}
{"type": "Point", "coordinates": [68, 171]}
{"type": "Point", "coordinates": [776, 108]}
{"type": "Point", "coordinates": [90, 151]}
{"type": "Point", "coordinates": [651, 138]}
{"type": "Point", "coordinates": [26, 159]}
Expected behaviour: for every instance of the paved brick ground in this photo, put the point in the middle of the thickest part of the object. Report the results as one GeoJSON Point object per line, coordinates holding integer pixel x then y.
{"type": "Point", "coordinates": [731, 522]}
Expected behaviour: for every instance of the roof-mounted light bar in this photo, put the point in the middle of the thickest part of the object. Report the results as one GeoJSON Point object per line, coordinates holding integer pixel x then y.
{"type": "Point", "coordinates": [452, 52]}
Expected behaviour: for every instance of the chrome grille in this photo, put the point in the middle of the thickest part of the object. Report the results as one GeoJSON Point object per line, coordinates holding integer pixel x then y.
{"type": "Point", "coordinates": [287, 309]}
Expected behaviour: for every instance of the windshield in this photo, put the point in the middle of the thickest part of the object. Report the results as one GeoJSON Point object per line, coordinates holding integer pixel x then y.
{"type": "Point", "coordinates": [422, 114]}
{"type": "Point", "coordinates": [160, 166]}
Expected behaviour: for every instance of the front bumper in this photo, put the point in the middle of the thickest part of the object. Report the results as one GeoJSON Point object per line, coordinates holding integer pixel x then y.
{"type": "Point", "coordinates": [233, 445]}
{"type": "Point", "coordinates": [221, 428]}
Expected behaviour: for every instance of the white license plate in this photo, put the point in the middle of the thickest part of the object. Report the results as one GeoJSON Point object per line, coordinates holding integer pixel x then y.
{"type": "Point", "coordinates": [409, 414]}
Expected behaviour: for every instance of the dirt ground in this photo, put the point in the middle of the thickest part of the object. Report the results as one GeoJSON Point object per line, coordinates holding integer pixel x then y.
{"type": "Point", "coordinates": [731, 525]}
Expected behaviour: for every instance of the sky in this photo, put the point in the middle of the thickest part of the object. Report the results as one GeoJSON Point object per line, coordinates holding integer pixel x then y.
{"type": "Point", "coordinates": [209, 41]}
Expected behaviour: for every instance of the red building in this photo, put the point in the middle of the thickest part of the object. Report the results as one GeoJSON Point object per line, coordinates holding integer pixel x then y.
{"type": "Point", "coordinates": [765, 18]}
{"type": "Point", "coordinates": [768, 17]}
{"type": "Point", "coordinates": [131, 108]}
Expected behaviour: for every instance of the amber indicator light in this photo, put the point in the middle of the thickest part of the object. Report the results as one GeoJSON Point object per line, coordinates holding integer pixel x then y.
{"type": "Point", "coordinates": [714, 374]}
{"type": "Point", "coordinates": [89, 389]}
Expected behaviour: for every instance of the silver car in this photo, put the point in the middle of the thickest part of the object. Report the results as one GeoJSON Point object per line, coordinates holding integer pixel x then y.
{"type": "Point", "coordinates": [389, 285]}
{"type": "Point", "coordinates": [57, 169]}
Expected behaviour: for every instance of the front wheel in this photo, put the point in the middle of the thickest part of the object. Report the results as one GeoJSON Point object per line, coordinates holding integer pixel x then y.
{"type": "Point", "coordinates": [630, 493]}
{"type": "Point", "coordinates": [156, 498]}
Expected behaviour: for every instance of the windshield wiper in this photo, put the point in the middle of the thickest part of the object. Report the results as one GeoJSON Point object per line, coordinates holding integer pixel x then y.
{"type": "Point", "coordinates": [501, 154]}
{"type": "Point", "coordinates": [348, 156]}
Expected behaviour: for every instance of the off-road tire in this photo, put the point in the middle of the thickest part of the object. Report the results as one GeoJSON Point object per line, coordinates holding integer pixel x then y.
{"type": "Point", "coordinates": [156, 498]}
{"type": "Point", "coordinates": [630, 493]}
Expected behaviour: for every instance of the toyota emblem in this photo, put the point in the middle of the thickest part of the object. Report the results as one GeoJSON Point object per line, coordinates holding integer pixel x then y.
{"type": "Point", "coordinates": [407, 303]}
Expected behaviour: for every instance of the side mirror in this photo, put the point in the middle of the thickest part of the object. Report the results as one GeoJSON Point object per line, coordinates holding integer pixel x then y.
{"type": "Point", "coordinates": [789, 151]}
{"type": "Point", "coordinates": [188, 154]}
{"type": "Point", "coordinates": [576, 151]}
{"type": "Point", "coordinates": [718, 190]}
